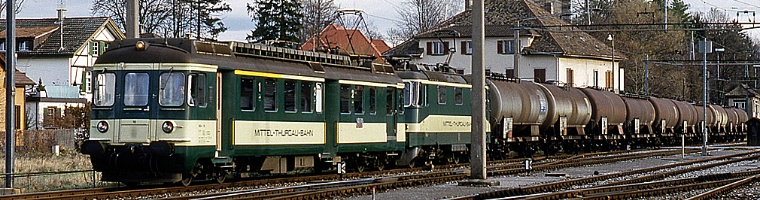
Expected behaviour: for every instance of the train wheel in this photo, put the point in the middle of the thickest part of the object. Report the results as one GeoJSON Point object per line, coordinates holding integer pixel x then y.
{"type": "Point", "coordinates": [187, 179]}
{"type": "Point", "coordinates": [220, 176]}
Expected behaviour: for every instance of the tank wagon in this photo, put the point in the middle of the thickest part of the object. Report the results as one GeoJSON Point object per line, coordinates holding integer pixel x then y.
{"type": "Point", "coordinates": [178, 110]}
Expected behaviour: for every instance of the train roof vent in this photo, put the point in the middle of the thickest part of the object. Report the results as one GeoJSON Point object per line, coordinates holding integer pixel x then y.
{"type": "Point", "coordinates": [317, 67]}
{"type": "Point", "coordinates": [213, 48]}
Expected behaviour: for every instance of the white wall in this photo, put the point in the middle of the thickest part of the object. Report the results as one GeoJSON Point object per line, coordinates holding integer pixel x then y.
{"type": "Point", "coordinates": [493, 60]}
{"type": "Point", "coordinates": [52, 70]}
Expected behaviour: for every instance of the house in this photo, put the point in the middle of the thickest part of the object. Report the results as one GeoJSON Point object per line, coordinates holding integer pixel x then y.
{"type": "Point", "coordinates": [47, 108]}
{"type": "Point", "coordinates": [61, 51]}
{"type": "Point", "coordinates": [739, 98]}
{"type": "Point", "coordinates": [339, 40]}
{"type": "Point", "coordinates": [566, 56]}
{"type": "Point", "coordinates": [22, 82]}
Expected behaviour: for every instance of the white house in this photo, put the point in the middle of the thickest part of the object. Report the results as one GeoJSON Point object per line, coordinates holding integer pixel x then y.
{"type": "Point", "coordinates": [566, 55]}
{"type": "Point", "coordinates": [59, 53]}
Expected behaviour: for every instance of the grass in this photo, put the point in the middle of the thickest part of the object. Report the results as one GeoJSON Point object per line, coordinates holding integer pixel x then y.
{"type": "Point", "coordinates": [35, 171]}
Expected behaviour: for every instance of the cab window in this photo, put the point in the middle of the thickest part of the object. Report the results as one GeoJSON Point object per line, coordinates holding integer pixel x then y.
{"type": "Point", "coordinates": [136, 89]}
{"type": "Point", "coordinates": [247, 97]}
{"type": "Point", "coordinates": [270, 94]}
{"type": "Point", "coordinates": [171, 89]}
{"type": "Point", "coordinates": [105, 89]}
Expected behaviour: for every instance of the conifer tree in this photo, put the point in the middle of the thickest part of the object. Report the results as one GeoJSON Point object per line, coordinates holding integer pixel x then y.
{"type": "Point", "coordinates": [276, 20]}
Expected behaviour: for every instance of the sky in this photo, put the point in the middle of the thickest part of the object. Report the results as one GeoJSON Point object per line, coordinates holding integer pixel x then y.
{"type": "Point", "coordinates": [381, 13]}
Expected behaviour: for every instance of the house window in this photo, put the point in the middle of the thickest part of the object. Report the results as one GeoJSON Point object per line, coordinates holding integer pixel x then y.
{"type": "Point", "coordinates": [570, 77]}
{"type": "Point", "coordinates": [24, 46]}
{"type": "Point", "coordinates": [466, 47]}
{"type": "Point", "coordinates": [2, 46]}
{"type": "Point", "coordinates": [437, 48]}
{"type": "Point", "coordinates": [539, 75]}
{"type": "Point", "coordinates": [506, 46]}
{"type": "Point", "coordinates": [596, 78]}
{"type": "Point", "coordinates": [94, 48]}
{"type": "Point", "coordinates": [740, 104]}
{"type": "Point", "coordinates": [510, 73]}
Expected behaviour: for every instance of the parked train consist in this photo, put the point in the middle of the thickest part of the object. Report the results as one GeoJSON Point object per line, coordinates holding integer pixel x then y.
{"type": "Point", "coordinates": [175, 110]}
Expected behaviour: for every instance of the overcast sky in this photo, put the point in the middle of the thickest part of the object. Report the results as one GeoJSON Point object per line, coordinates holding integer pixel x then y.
{"type": "Point", "coordinates": [381, 13]}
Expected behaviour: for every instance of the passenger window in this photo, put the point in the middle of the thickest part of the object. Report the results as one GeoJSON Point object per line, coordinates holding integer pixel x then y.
{"type": "Point", "coordinates": [389, 100]}
{"type": "Point", "coordinates": [247, 97]}
{"type": "Point", "coordinates": [136, 89]}
{"type": "Point", "coordinates": [307, 96]}
{"type": "Point", "coordinates": [197, 87]}
{"type": "Point", "coordinates": [458, 96]}
{"type": "Point", "coordinates": [318, 95]}
{"type": "Point", "coordinates": [270, 94]}
{"type": "Point", "coordinates": [441, 94]}
{"type": "Point", "coordinates": [105, 90]}
{"type": "Point", "coordinates": [372, 101]}
{"type": "Point", "coordinates": [359, 100]}
{"type": "Point", "coordinates": [290, 96]}
{"type": "Point", "coordinates": [345, 96]}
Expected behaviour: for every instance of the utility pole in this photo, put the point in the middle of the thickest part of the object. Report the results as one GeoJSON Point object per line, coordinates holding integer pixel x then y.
{"type": "Point", "coordinates": [516, 55]}
{"type": "Point", "coordinates": [478, 135]}
{"type": "Point", "coordinates": [10, 85]}
{"type": "Point", "coordinates": [646, 75]}
{"type": "Point", "coordinates": [705, 47]}
{"type": "Point", "coordinates": [133, 19]}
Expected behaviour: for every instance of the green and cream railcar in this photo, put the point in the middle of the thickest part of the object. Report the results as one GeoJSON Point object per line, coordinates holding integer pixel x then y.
{"type": "Point", "coordinates": [438, 116]}
{"type": "Point", "coordinates": [169, 110]}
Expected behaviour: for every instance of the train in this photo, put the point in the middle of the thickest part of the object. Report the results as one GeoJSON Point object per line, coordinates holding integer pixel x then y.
{"type": "Point", "coordinates": [174, 110]}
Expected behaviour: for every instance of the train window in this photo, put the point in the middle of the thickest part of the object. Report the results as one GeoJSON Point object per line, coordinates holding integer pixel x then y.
{"type": "Point", "coordinates": [345, 96]}
{"type": "Point", "coordinates": [247, 97]}
{"type": "Point", "coordinates": [318, 95]}
{"type": "Point", "coordinates": [105, 90]}
{"type": "Point", "coordinates": [307, 96]}
{"type": "Point", "coordinates": [136, 89]}
{"type": "Point", "coordinates": [458, 96]}
{"type": "Point", "coordinates": [372, 101]}
{"type": "Point", "coordinates": [290, 95]}
{"type": "Point", "coordinates": [441, 94]}
{"type": "Point", "coordinates": [412, 94]}
{"type": "Point", "coordinates": [172, 89]}
{"type": "Point", "coordinates": [270, 94]}
{"type": "Point", "coordinates": [196, 84]}
{"type": "Point", "coordinates": [359, 100]}
{"type": "Point", "coordinates": [388, 101]}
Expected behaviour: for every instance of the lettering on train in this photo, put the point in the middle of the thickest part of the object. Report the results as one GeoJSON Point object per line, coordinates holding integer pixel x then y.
{"type": "Point", "coordinates": [283, 133]}
{"type": "Point", "coordinates": [457, 123]}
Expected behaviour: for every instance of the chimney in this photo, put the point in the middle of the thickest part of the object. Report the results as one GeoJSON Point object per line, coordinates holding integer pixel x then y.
{"type": "Point", "coordinates": [133, 19]}
{"type": "Point", "coordinates": [467, 4]}
{"type": "Point", "coordinates": [61, 13]}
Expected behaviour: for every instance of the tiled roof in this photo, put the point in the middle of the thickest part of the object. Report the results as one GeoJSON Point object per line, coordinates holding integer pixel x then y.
{"type": "Point", "coordinates": [381, 46]}
{"type": "Point", "coordinates": [31, 32]}
{"type": "Point", "coordinates": [501, 18]}
{"type": "Point", "coordinates": [76, 32]}
{"type": "Point", "coordinates": [21, 79]}
{"type": "Point", "coordinates": [349, 42]}
{"type": "Point", "coordinates": [406, 49]}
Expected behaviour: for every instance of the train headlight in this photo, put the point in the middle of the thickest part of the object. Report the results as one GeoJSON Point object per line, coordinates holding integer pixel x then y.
{"type": "Point", "coordinates": [141, 46]}
{"type": "Point", "coordinates": [167, 127]}
{"type": "Point", "coordinates": [102, 126]}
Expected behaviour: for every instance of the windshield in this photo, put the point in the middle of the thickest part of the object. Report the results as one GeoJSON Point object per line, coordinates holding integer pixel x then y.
{"type": "Point", "coordinates": [105, 89]}
{"type": "Point", "coordinates": [411, 94]}
{"type": "Point", "coordinates": [136, 89]}
{"type": "Point", "coordinates": [172, 91]}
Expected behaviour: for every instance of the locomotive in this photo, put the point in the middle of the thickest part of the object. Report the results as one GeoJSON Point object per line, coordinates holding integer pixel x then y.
{"type": "Point", "coordinates": [177, 110]}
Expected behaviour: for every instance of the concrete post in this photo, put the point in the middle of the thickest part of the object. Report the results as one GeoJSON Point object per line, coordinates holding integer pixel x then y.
{"type": "Point", "coordinates": [478, 138]}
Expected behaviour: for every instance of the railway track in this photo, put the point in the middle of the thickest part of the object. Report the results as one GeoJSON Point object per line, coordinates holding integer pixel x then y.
{"type": "Point", "coordinates": [626, 188]}
{"type": "Point", "coordinates": [322, 186]}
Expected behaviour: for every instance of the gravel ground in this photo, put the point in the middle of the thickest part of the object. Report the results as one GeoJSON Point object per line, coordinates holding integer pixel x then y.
{"type": "Point", "coordinates": [449, 190]}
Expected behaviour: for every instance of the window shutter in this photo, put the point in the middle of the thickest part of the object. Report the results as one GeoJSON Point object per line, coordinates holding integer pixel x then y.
{"type": "Point", "coordinates": [463, 47]}
{"type": "Point", "coordinates": [500, 47]}
{"type": "Point", "coordinates": [102, 47]}
{"type": "Point", "coordinates": [445, 47]}
{"type": "Point", "coordinates": [429, 48]}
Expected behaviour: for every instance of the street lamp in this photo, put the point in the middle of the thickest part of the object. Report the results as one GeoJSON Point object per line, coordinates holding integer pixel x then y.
{"type": "Point", "coordinates": [611, 37]}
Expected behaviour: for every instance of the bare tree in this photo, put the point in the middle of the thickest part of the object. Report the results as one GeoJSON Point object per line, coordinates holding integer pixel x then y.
{"type": "Point", "coordinates": [170, 18]}
{"type": "Point", "coordinates": [418, 16]}
{"type": "Point", "coordinates": [316, 15]}
{"type": "Point", "coordinates": [16, 9]}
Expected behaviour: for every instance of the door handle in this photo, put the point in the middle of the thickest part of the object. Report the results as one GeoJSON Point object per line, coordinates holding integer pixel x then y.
{"type": "Point", "coordinates": [146, 109]}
